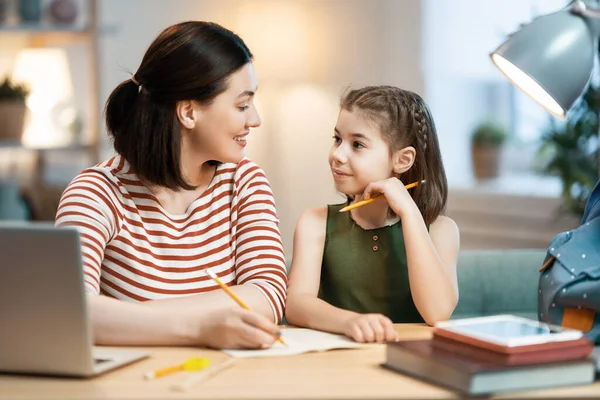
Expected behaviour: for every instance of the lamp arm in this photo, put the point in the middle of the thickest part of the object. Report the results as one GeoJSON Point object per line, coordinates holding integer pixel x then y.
{"type": "Point", "coordinates": [579, 8]}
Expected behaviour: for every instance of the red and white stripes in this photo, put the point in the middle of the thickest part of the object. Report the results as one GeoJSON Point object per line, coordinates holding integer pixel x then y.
{"type": "Point", "coordinates": [134, 250]}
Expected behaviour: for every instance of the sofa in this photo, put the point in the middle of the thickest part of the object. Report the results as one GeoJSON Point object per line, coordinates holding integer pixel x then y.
{"type": "Point", "coordinates": [498, 282]}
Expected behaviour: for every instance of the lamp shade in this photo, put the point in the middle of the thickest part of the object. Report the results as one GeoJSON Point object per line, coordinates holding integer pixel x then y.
{"type": "Point", "coordinates": [550, 59]}
{"type": "Point", "coordinates": [46, 72]}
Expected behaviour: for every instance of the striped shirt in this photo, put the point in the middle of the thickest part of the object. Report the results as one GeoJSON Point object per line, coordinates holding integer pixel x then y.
{"type": "Point", "coordinates": [134, 250]}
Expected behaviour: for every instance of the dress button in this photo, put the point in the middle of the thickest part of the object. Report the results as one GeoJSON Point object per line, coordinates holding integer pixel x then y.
{"type": "Point", "coordinates": [375, 248]}
{"type": "Point", "coordinates": [375, 238]}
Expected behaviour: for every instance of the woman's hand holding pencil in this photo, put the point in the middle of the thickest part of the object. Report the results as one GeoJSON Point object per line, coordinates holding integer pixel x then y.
{"type": "Point", "coordinates": [236, 328]}
{"type": "Point", "coordinates": [241, 327]}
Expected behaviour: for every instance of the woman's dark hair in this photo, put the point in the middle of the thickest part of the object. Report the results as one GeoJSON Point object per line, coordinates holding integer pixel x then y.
{"type": "Point", "coordinates": [404, 120]}
{"type": "Point", "coordinates": [187, 61]}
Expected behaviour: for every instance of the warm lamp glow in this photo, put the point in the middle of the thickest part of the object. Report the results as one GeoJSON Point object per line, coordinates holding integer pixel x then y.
{"type": "Point", "coordinates": [278, 55]}
{"type": "Point", "coordinates": [46, 73]}
{"type": "Point", "coordinates": [528, 85]}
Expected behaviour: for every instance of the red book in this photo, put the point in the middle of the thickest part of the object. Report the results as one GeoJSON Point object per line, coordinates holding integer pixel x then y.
{"type": "Point", "coordinates": [573, 350]}
{"type": "Point", "coordinates": [475, 342]}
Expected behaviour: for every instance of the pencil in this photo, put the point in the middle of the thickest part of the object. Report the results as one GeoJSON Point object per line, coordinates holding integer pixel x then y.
{"type": "Point", "coordinates": [202, 375]}
{"type": "Point", "coordinates": [372, 199]}
{"type": "Point", "coordinates": [162, 372]}
{"type": "Point", "coordinates": [233, 295]}
{"type": "Point", "coordinates": [191, 364]}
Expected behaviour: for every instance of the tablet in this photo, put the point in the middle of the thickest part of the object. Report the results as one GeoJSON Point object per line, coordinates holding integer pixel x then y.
{"type": "Point", "coordinates": [505, 331]}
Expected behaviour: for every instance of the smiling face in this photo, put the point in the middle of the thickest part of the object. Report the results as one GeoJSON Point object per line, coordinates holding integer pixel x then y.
{"type": "Point", "coordinates": [218, 131]}
{"type": "Point", "coordinates": [359, 154]}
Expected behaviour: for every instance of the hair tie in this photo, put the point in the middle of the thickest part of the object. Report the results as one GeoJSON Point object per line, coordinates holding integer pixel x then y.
{"type": "Point", "coordinates": [137, 83]}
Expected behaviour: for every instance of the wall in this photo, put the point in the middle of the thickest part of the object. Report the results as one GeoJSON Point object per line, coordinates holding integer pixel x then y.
{"type": "Point", "coordinates": [306, 53]}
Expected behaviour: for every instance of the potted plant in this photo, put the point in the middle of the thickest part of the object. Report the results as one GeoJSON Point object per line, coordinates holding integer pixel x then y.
{"type": "Point", "coordinates": [12, 110]}
{"type": "Point", "coordinates": [570, 150]}
{"type": "Point", "coordinates": [486, 145]}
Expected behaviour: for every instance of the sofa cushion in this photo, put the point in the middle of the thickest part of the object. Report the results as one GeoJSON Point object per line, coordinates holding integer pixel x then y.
{"type": "Point", "coordinates": [498, 282]}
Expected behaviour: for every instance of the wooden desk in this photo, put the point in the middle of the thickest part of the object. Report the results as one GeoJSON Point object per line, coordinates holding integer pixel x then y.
{"type": "Point", "coordinates": [340, 374]}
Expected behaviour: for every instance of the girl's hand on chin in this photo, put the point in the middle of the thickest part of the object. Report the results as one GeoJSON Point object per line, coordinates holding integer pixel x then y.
{"type": "Point", "coordinates": [395, 194]}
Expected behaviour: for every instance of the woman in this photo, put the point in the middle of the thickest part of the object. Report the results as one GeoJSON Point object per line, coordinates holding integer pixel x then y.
{"type": "Point", "coordinates": [179, 197]}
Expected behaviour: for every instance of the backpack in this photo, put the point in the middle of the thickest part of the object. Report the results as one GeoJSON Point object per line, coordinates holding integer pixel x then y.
{"type": "Point", "coordinates": [569, 282]}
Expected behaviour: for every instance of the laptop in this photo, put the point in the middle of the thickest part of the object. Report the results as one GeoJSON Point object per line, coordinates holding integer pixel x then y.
{"type": "Point", "coordinates": [44, 326]}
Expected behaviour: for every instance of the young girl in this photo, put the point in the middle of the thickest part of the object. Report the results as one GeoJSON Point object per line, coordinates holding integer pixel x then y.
{"type": "Point", "coordinates": [393, 260]}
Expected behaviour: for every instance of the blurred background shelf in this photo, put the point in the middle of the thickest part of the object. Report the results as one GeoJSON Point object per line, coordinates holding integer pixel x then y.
{"type": "Point", "coordinates": [52, 47]}
{"type": "Point", "coordinates": [44, 30]}
{"type": "Point", "coordinates": [7, 144]}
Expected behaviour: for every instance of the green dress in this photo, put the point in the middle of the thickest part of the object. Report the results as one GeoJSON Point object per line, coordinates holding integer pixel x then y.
{"type": "Point", "coordinates": [365, 270]}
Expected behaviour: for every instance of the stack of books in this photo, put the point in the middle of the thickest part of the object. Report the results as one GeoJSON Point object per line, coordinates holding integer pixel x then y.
{"type": "Point", "coordinates": [475, 366]}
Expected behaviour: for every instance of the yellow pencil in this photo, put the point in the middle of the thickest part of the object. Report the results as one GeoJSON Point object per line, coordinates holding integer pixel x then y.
{"type": "Point", "coordinates": [233, 295]}
{"type": "Point", "coordinates": [191, 364]}
{"type": "Point", "coordinates": [372, 199]}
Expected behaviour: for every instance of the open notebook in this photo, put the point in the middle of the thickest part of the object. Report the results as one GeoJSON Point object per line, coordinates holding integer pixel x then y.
{"type": "Point", "coordinates": [299, 341]}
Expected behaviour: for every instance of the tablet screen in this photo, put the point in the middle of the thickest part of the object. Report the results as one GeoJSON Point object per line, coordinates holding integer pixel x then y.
{"type": "Point", "coordinates": [504, 329]}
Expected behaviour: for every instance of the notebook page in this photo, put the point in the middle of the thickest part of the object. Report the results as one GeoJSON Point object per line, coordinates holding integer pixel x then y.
{"type": "Point", "coordinates": [298, 341]}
